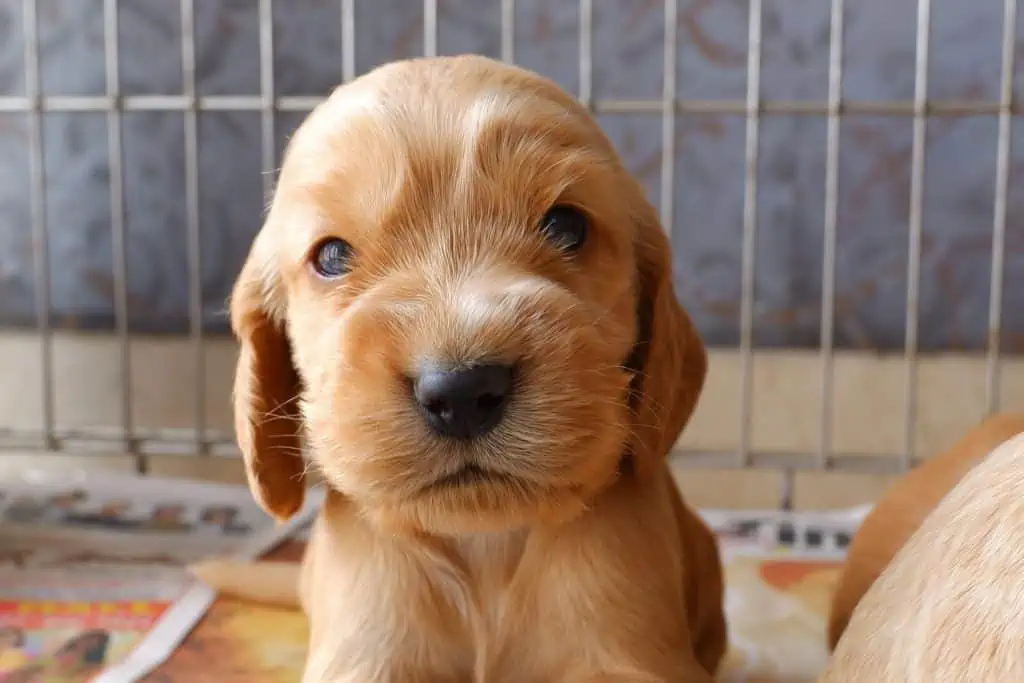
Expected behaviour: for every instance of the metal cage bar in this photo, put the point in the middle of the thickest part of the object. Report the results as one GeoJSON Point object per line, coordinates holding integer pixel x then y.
{"type": "Point", "coordinates": [749, 246]}
{"type": "Point", "coordinates": [1004, 145]}
{"type": "Point", "coordinates": [668, 117]}
{"type": "Point", "coordinates": [193, 227]}
{"type": "Point", "coordinates": [831, 221]}
{"type": "Point", "coordinates": [508, 31]}
{"type": "Point", "coordinates": [348, 40]}
{"type": "Point", "coordinates": [267, 112]}
{"type": "Point", "coordinates": [429, 28]}
{"type": "Point", "coordinates": [305, 103]}
{"type": "Point", "coordinates": [586, 54]}
{"type": "Point", "coordinates": [40, 225]}
{"type": "Point", "coordinates": [119, 237]}
{"type": "Point", "coordinates": [181, 443]}
{"type": "Point", "coordinates": [918, 152]}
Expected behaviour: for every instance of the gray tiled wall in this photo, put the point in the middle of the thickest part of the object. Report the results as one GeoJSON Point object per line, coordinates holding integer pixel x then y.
{"type": "Point", "coordinates": [711, 64]}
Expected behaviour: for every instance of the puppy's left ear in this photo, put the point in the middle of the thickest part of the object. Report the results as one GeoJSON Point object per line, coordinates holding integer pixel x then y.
{"type": "Point", "coordinates": [669, 359]}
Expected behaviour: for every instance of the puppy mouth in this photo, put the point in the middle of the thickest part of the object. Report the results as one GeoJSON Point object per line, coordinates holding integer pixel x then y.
{"type": "Point", "coordinates": [469, 475]}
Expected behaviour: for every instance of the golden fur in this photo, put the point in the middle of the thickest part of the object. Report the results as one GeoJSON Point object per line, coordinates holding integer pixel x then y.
{"type": "Point", "coordinates": [900, 511]}
{"type": "Point", "coordinates": [949, 607]}
{"type": "Point", "coordinates": [580, 563]}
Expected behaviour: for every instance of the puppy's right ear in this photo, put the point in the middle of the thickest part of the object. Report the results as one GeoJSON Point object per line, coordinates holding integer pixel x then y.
{"type": "Point", "coordinates": [266, 388]}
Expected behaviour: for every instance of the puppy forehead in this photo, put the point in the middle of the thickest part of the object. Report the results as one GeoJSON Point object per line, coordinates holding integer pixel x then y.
{"type": "Point", "coordinates": [374, 140]}
{"type": "Point", "coordinates": [370, 133]}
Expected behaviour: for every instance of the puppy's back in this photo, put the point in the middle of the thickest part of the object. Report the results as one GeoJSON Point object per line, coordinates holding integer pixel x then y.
{"type": "Point", "coordinates": [950, 605]}
{"type": "Point", "coordinates": [903, 508]}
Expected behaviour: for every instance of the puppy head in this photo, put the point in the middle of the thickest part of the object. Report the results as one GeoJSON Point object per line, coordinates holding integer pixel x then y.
{"type": "Point", "coordinates": [463, 302]}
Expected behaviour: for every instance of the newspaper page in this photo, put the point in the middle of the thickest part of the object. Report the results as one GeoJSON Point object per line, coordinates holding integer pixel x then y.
{"type": "Point", "coordinates": [780, 570]}
{"type": "Point", "coordinates": [93, 585]}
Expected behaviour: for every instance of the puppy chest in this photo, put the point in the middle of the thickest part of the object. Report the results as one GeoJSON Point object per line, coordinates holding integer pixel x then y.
{"type": "Point", "coordinates": [483, 584]}
{"type": "Point", "coordinates": [496, 600]}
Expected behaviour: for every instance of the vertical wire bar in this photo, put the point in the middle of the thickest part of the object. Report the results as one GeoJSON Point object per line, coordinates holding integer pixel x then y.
{"type": "Point", "coordinates": [119, 238]}
{"type": "Point", "coordinates": [267, 105]}
{"type": "Point", "coordinates": [828, 274]}
{"type": "Point", "coordinates": [587, 53]}
{"type": "Point", "coordinates": [788, 486]}
{"type": "Point", "coordinates": [668, 117]}
{"type": "Point", "coordinates": [429, 28]}
{"type": "Point", "coordinates": [348, 40]}
{"type": "Point", "coordinates": [753, 98]}
{"type": "Point", "coordinates": [193, 228]}
{"type": "Point", "coordinates": [508, 31]}
{"type": "Point", "coordinates": [40, 227]}
{"type": "Point", "coordinates": [917, 168]}
{"type": "Point", "coordinates": [1003, 149]}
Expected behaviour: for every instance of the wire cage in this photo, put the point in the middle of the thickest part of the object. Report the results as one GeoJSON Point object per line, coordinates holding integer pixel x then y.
{"type": "Point", "coordinates": [835, 178]}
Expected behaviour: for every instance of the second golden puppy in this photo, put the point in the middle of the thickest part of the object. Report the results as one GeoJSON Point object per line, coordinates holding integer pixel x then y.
{"type": "Point", "coordinates": [462, 304]}
{"type": "Point", "coordinates": [900, 512]}
{"type": "Point", "coordinates": [947, 608]}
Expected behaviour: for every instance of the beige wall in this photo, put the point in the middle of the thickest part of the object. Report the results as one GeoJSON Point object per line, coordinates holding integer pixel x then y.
{"type": "Point", "coordinates": [868, 410]}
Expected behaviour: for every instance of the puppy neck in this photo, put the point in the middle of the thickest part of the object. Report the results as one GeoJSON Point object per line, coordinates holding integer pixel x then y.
{"type": "Point", "coordinates": [489, 557]}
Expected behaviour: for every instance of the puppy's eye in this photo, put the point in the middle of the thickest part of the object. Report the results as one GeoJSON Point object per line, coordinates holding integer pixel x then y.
{"type": "Point", "coordinates": [331, 258]}
{"type": "Point", "coordinates": [565, 227]}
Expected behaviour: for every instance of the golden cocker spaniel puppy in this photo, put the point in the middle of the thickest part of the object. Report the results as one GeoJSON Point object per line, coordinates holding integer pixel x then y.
{"type": "Point", "coordinates": [949, 607]}
{"type": "Point", "coordinates": [903, 508]}
{"type": "Point", "coordinates": [462, 304]}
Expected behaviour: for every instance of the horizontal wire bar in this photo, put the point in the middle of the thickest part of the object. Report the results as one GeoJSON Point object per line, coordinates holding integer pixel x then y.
{"type": "Point", "coordinates": [846, 463]}
{"type": "Point", "coordinates": [302, 103]}
{"type": "Point", "coordinates": [111, 437]}
{"type": "Point", "coordinates": [98, 441]}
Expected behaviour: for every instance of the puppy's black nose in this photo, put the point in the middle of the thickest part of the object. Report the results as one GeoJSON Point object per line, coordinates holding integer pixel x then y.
{"type": "Point", "coordinates": [464, 403]}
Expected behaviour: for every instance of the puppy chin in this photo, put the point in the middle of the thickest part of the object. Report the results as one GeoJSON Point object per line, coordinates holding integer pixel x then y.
{"type": "Point", "coordinates": [501, 502]}
{"type": "Point", "coordinates": [405, 481]}
{"type": "Point", "coordinates": [480, 509]}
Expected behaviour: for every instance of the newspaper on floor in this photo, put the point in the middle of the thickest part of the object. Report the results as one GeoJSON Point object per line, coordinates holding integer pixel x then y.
{"type": "Point", "coordinates": [780, 572]}
{"type": "Point", "coordinates": [92, 586]}
{"type": "Point", "coordinates": [92, 579]}
{"type": "Point", "coordinates": [780, 569]}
